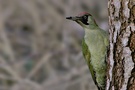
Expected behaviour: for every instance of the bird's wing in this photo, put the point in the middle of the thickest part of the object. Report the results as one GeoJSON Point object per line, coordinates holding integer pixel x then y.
{"type": "Point", "coordinates": [87, 56]}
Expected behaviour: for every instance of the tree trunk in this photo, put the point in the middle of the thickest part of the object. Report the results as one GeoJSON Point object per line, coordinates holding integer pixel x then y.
{"type": "Point", "coordinates": [121, 55]}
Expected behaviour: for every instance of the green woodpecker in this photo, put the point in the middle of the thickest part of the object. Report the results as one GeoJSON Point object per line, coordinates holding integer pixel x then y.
{"type": "Point", "coordinates": [94, 47]}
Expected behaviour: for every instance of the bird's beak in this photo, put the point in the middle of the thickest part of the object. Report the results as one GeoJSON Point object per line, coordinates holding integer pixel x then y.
{"type": "Point", "coordinates": [74, 18]}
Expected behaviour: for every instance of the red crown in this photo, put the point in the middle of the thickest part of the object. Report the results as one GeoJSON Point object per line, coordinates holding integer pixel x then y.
{"type": "Point", "coordinates": [83, 13]}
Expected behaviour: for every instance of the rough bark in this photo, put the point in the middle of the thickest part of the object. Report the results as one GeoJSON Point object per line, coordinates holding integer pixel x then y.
{"type": "Point", "coordinates": [121, 56]}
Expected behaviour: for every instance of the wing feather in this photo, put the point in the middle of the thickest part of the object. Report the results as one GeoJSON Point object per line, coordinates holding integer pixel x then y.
{"type": "Point", "coordinates": [87, 56]}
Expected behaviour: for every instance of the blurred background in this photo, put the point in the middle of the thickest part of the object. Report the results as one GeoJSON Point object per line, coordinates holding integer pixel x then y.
{"type": "Point", "coordinates": [40, 49]}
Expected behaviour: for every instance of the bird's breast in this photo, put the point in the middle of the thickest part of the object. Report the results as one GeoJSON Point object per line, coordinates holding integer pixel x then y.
{"type": "Point", "coordinates": [95, 43]}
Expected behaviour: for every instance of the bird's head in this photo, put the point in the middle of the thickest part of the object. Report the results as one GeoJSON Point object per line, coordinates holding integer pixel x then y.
{"type": "Point", "coordinates": [84, 19]}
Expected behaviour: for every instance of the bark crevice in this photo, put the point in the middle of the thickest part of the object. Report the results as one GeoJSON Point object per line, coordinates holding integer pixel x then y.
{"type": "Point", "coordinates": [121, 73]}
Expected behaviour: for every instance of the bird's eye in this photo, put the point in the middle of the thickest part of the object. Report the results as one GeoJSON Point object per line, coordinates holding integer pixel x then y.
{"type": "Point", "coordinates": [85, 17]}
{"type": "Point", "coordinates": [85, 20]}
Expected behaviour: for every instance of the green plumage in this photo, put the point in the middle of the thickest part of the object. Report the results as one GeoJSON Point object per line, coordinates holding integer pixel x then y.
{"type": "Point", "coordinates": [86, 55]}
{"type": "Point", "coordinates": [94, 48]}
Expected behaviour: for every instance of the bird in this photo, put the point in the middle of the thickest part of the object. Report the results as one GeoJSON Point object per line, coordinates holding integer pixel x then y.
{"type": "Point", "coordinates": [94, 47]}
